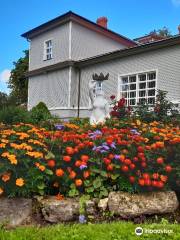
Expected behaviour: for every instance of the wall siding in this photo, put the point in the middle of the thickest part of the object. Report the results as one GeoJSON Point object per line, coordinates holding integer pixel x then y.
{"type": "Point", "coordinates": [51, 88]}
{"type": "Point", "coordinates": [167, 61]}
{"type": "Point", "coordinates": [60, 44]}
{"type": "Point", "coordinates": [87, 43]}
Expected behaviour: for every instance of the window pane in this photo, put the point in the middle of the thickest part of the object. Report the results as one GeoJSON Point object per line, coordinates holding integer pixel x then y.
{"type": "Point", "coordinates": [142, 85]}
{"type": "Point", "coordinates": [142, 93]}
{"type": "Point", "coordinates": [124, 80]}
{"type": "Point", "coordinates": [132, 94]}
{"type": "Point", "coordinates": [151, 92]}
{"type": "Point", "coordinates": [124, 94]}
{"type": "Point", "coordinates": [151, 100]}
{"type": "Point", "coordinates": [152, 84]}
{"type": "Point", "coordinates": [142, 100]}
{"type": "Point", "coordinates": [142, 77]}
{"type": "Point", "coordinates": [132, 102]}
{"type": "Point", "coordinates": [132, 78]}
{"type": "Point", "coordinates": [152, 76]}
{"type": "Point", "coordinates": [132, 86]}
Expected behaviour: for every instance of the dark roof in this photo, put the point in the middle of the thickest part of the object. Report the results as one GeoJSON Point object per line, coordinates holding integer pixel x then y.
{"type": "Point", "coordinates": [70, 16]}
{"type": "Point", "coordinates": [110, 56]}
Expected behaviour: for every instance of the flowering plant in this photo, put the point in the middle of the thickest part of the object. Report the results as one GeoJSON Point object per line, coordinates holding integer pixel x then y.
{"type": "Point", "coordinates": [119, 108]}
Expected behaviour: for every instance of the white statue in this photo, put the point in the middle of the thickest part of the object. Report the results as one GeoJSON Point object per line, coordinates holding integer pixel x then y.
{"type": "Point", "coordinates": [100, 106]}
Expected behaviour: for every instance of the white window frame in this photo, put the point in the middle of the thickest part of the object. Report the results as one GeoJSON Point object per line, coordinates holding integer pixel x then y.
{"type": "Point", "coordinates": [45, 56]}
{"type": "Point", "coordinates": [120, 76]}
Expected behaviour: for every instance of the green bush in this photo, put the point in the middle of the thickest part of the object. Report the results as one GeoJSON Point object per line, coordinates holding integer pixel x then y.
{"type": "Point", "coordinates": [12, 115]}
{"type": "Point", "coordinates": [39, 113]}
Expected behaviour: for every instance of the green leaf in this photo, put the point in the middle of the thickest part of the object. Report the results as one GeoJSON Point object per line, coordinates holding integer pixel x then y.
{"type": "Point", "coordinates": [49, 172]}
{"type": "Point", "coordinates": [41, 186]}
{"type": "Point", "coordinates": [97, 183]}
{"type": "Point", "coordinates": [50, 155]}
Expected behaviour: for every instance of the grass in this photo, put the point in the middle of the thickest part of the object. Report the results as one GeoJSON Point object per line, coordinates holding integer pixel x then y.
{"type": "Point", "coordinates": [105, 231]}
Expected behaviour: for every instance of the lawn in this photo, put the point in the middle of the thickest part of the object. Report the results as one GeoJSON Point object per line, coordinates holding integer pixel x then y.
{"type": "Point", "coordinates": [105, 231]}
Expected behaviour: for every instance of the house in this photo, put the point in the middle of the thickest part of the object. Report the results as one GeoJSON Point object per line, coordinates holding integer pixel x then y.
{"type": "Point", "coordinates": [66, 51]}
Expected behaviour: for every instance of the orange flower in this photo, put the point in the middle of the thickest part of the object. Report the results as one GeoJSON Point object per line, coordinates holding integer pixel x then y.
{"type": "Point", "coordinates": [59, 196]}
{"type": "Point", "coordinates": [67, 158]}
{"type": "Point", "coordinates": [19, 182]}
{"type": "Point", "coordinates": [59, 172]}
{"type": "Point", "coordinates": [86, 174]}
{"type": "Point", "coordinates": [78, 182]}
{"type": "Point", "coordinates": [5, 177]}
{"type": "Point", "coordinates": [72, 174]}
{"type": "Point", "coordinates": [42, 168]}
{"type": "Point", "coordinates": [1, 191]}
{"type": "Point", "coordinates": [51, 163]}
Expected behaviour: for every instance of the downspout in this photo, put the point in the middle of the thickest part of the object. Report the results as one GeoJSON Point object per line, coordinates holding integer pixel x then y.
{"type": "Point", "coordinates": [79, 92]}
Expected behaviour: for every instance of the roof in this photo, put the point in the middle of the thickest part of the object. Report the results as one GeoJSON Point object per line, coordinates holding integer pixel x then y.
{"type": "Point", "coordinates": [70, 16]}
{"type": "Point", "coordinates": [110, 56]}
{"type": "Point", "coordinates": [141, 48]}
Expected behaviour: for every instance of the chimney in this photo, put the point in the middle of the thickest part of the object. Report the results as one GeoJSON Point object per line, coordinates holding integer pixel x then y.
{"type": "Point", "coordinates": [102, 21]}
{"type": "Point", "coordinates": [179, 29]}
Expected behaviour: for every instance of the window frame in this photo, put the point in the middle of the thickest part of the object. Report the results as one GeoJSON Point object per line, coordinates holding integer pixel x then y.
{"type": "Point", "coordinates": [45, 55]}
{"type": "Point", "coordinates": [121, 76]}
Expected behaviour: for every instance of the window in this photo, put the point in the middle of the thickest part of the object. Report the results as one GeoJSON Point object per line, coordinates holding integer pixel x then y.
{"type": "Point", "coordinates": [139, 88]}
{"type": "Point", "coordinates": [48, 50]}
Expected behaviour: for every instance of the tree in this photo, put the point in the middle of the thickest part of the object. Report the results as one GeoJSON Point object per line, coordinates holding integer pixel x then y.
{"type": "Point", "coordinates": [164, 32]}
{"type": "Point", "coordinates": [18, 82]}
{"type": "Point", "coordinates": [3, 100]}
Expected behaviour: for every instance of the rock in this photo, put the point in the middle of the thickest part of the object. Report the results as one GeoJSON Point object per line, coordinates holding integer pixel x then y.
{"type": "Point", "coordinates": [132, 205]}
{"type": "Point", "coordinates": [90, 207]}
{"type": "Point", "coordinates": [103, 203]}
{"type": "Point", "coordinates": [55, 211]}
{"type": "Point", "coordinates": [15, 211]}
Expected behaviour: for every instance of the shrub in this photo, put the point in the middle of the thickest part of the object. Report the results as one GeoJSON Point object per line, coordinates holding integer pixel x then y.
{"type": "Point", "coordinates": [39, 113]}
{"type": "Point", "coordinates": [23, 170]}
{"type": "Point", "coordinates": [12, 115]}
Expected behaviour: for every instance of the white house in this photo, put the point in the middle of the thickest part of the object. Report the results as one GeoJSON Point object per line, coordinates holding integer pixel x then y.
{"type": "Point", "coordinates": [66, 51]}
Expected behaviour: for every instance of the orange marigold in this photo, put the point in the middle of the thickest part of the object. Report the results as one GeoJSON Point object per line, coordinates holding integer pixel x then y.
{"type": "Point", "coordinates": [19, 182]}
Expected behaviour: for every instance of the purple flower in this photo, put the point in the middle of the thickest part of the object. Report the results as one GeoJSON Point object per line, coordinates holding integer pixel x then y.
{"type": "Point", "coordinates": [82, 219]}
{"type": "Point", "coordinates": [83, 167]}
{"type": "Point", "coordinates": [116, 156]}
{"type": "Point", "coordinates": [113, 145]}
{"type": "Point", "coordinates": [93, 135]}
{"type": "Point", "coordinates": [134, 131]}
{"type": "Point", "coordinates": [59, 127]}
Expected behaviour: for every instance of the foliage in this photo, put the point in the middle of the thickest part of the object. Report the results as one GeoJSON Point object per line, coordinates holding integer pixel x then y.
{"type": "Point", "coordinates": [72, 161]}
{"type": "Point", "coordinates": [106, 231]}
{"type": "Point", "coordinates": [23, 171]}
{"type": "Point", "coordinates": [12, 115]}
{"type": "Point", "coordinates": [39, 113]}
{"type": "Point", "coordinates": [163, 110]}
{"type": "Point", "coordinates": [134, 158]}
{"type": "Point", "coordinates": [3, 100]}
{"type": "Point", "coordinates": [164, 32]}
{"type": "Point", "coordinates": [18, 82]}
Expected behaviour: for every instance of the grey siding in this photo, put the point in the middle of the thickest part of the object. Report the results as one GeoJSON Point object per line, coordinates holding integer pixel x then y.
{"type": "Point", "coordinates": [87, 43]}
{"type": "Point", "coordinates": [50, 88]}
{"type": "Point", "coordinates": [60, 44]}
{"type": "Point", "coordinates": [166, 61]}
{"type": "Point", "coordinates": [74, 88]}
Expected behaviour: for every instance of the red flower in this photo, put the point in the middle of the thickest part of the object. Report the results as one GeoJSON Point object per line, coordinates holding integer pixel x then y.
{"type": "Point", "coordinates": [112, 97]}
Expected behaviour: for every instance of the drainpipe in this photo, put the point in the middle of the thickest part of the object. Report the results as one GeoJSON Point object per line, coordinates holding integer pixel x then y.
{"type": "Point", "coordinates": [79, 92]}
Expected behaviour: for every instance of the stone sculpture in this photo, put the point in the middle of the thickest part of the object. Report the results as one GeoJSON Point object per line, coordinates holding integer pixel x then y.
{"type": "Point", "coordinates": [100, 106]}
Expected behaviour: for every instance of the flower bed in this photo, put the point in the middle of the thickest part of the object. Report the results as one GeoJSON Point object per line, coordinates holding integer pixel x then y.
{"type": "Point", "coordinates": [72, 160]}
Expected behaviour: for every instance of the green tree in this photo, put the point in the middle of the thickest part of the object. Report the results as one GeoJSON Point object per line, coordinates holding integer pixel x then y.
{"type": "Point", "coordinates": [164, 32]}
{"type": "Point", "coordinates": [18, 82]}
{"type": "Point", "coordinates": [3, 100]}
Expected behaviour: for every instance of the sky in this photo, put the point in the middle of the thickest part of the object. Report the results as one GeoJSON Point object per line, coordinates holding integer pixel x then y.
{"type": "Point", "coordinates": [131, 18]}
